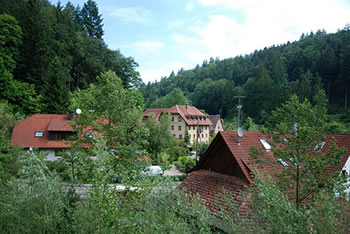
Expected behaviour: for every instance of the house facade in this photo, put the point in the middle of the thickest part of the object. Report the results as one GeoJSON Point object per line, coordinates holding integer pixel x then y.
{"type": "Point", "coordinates": [46, 132]}
{"type": "Point", "coordinates": [216, 124]}
{"type": "Point", "coordinates": [184, 118]}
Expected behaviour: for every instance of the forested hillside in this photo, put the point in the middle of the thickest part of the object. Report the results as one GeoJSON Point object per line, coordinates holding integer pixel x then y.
{"type": "Point", "coordinates": [48, 51]}
{"type": "Point", "coordinates": [266, 77]}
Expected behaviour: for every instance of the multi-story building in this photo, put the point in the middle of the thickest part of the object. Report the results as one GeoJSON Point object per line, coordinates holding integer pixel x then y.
{"type": "Point", "coordinates": [184, 118]}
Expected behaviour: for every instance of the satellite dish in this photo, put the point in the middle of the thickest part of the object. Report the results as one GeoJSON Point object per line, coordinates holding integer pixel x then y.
{"type": "Point", "coordinates": [78, 111]}
{"type": "Point", "coordinates": [240, 132]}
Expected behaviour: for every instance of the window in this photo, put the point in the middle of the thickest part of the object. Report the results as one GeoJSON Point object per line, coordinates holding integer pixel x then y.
{"type": "Point", "coordinates": [194, 128]}
{"type": "Point", "coordinates": [180, 136]}
{"type": "Point", "coordinates": [319, 146]}
{"type": "Point", "coordinates": [206, 127]}
{"type": "Point", "coordinates": [282, 162]}
{"type": "Point", "coordinates": [172, 127]}
{"type": "Point", "coordinates": [179, 118]}
{"type": "Point", "coordinates": [194, 136]}
{"type": "Point", "coordinates": [202, 136]}
{"type": "Point", "coordinates": [179, 128]}
{"type": "Point", "coordinates": [172, 118]}
{"type": "Point", "coordinates": [174, 135]}
{"type": "Point", "coordinates": [39, 134]}
{"type": "Point", "coordinates": [206, 135]}
{"type": "Point", "coordinates": [52, 136]}
{"type": "Point", "coordinates": [266, 145]}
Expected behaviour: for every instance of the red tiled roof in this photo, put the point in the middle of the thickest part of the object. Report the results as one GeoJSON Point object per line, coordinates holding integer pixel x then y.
{"type": "Point", "coordinates": [208, 185]}
{"type": "Point", "coordinates": [188, 113]}
{"type": "Point", "coordinates": [59, 125]}
{"type": "Point", "coordinates": [24, 132]}
{"type": "Point", "coordinates": [241, 152]}
{"type": "Point", "coordinates": [155, 111]}
{"type": "Point", "coordinates": [342, 140]}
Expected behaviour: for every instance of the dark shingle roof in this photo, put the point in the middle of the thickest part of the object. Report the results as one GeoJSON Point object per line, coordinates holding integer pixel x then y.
{"type": "Point", "coordinates": [209, 185]}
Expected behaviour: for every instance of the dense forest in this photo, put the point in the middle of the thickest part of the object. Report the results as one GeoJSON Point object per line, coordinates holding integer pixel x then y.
{"type": "Point", "coordinates": [266, 77]}
{"type": "Point", "coordinates": [49, 51]}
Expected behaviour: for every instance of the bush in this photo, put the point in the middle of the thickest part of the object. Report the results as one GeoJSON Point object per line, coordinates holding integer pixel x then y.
{"type": "Point", "coordinates": [176, 151]}
{"type": "Point", "coordinates": [185, 163]}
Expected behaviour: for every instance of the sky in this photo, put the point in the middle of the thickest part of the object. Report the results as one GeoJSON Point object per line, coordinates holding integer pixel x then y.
{"type": "Point", "coordinates": [166, 35]}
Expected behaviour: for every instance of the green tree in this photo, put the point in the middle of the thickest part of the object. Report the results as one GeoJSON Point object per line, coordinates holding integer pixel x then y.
{"type": "Point", "coordinates": [345, 74]}
{"type": "Point", "coordinates": [92, 20]}
{"type": "Point", "coordinates": [9, 154]}
{"type": "Point", "coordinates": [175, 97]}
{"type": "Point", "coordinates": [159, 134]}
{"type": "Point", "coordinates": [114, 112]}
{"type": "Point", "coordinates": [297, 127]}
{"type": "Point", "coordinates": [21, 96]}
{"type": "Point", "coordinates": [55, 89]}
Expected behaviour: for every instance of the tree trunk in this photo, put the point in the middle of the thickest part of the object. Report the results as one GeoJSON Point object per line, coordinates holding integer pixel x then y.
{"type": "Point", "coordinates": [346, 98]}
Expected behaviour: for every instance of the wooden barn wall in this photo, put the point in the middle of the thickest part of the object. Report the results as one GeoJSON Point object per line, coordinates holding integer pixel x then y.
{"type": "Point", "coordinates": [222, 161]}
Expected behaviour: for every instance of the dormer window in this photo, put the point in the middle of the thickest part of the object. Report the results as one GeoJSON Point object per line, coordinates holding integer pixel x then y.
{"type": "Point", "coordinates": [266, 145]}
{"type": "Point", "coordinates": [39, 134]}
{"type": "Point", "coordinates": [319, 146]}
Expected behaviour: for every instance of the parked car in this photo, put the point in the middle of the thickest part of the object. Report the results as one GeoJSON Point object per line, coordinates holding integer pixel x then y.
{"type": "Point", "coordinates": [152, 171]}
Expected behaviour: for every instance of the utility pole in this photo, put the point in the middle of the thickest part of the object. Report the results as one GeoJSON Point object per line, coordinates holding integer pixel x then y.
{"type": "Point", "coordinates": [198, 132]}
{"type": "Point", "coordinates": [239, 107]}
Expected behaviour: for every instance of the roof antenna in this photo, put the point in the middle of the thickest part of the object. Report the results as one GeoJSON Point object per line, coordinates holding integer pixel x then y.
{"type": "Point", "coordinates": [240, 132]}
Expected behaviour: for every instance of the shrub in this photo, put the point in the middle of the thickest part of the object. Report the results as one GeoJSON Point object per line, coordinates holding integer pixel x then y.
{"type": "Point", "coordinates": [185, 163]}
{"type": "Point", "coordinates": [175, 152]}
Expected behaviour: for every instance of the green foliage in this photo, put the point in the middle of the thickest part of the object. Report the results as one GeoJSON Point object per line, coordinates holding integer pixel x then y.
{"type": "Point", "coordinates": [298, 127]}
{"type": "Point", "coordinates": [175, 97]}
{"type": "Point", "coordinates": [272, 211]}
{"type": "Point", "coordinates": [9, 154]}
{"type": "Point", "coordinates": [268, 77]}
{"type": "Point", "coordinates": [114, 113]}
{"type": "Point", "coordinates": [91, 20]}
{"type": "Point", "coordinates": [35, 202]}
{"type": "Point", "coordinates": [159, 137]}
{"type": "Point", "coordinates": [249, 125]}
{"type": "Point", "coordinates": [185, 163]}
{"type": "Point", "coordinates": [176, 151]}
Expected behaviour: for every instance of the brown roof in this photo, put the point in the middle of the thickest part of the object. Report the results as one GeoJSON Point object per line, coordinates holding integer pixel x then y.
{"type": "Point", "coordinates": [156, 112]}
{"type": "Point", "coordinates": [248, 165]}
{"type": "Point", "coordinates": [342, 140]}
{"type": "Point", "coordinates": [190, 114]}
{"type": "Point", "coordinates": [208, 185]}
{"type": "Point", "coordinates": [24, 132]}
{"type": "Point", "coordinates": [240, 152]}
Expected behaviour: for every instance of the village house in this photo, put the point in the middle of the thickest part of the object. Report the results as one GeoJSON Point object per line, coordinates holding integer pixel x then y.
{"type": "Point", "coordinates": [227, 164]}
{"type": "Point", "coordinates": [46, 132]}
{"type": "Point", "coordinates": [216, 124]}
{"type": "Point", "coordinates": [184, 118]}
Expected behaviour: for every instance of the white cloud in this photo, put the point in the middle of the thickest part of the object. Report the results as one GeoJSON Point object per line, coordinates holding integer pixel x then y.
{"type": "Point", "coordinates": [265, 23]}
{"type": "Point", "coordinates": [189, 6]}
{"type": "Point", "coordinates": [132, 14]}
{"type": "Point", "coordinates": [145, 47]}
{"type": "Point", "coordinates": [152, 74]}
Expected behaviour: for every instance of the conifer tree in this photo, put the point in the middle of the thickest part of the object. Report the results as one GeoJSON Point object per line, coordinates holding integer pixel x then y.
{"type": "Point", "coordinates": [91, 19]}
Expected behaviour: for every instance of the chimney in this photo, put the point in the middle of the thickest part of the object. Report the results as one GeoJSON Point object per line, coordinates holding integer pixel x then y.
{"type": "Point", "coordinates": [70, 115]}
